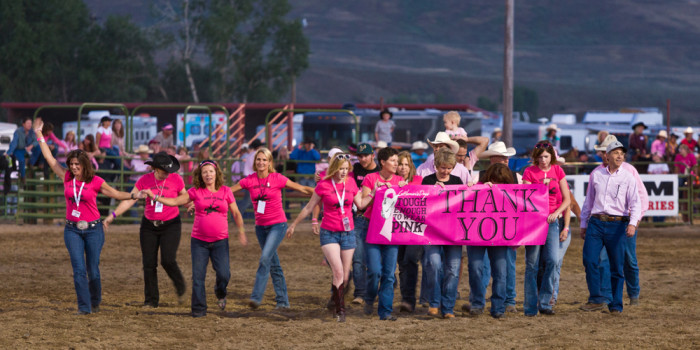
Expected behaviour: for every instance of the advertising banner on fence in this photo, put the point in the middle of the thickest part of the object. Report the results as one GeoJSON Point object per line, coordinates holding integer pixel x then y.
{"type": "Point", "coordinates": [662, 191]}
{"type": "Point", "coordinates": [502, 215]}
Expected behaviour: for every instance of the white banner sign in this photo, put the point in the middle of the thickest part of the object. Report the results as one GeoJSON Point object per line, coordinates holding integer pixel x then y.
{"type": "Point", "coordinates": [662, 191]}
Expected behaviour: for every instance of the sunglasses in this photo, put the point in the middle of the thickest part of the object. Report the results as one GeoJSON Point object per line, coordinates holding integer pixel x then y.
{"type": "Point", "coordinates": [342, 156]}
{"type": "Point", "coordinates": [544, 145]}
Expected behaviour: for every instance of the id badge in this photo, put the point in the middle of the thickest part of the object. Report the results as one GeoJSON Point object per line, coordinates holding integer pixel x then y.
{"type": "Point", "coordinates": [75, 213]}
{"type": "Point", "coordinates": [261, 207]}
{"type": "Point", "coordinates": [159, 207]}
{"type": "Point", "coordinates": [346, 223]}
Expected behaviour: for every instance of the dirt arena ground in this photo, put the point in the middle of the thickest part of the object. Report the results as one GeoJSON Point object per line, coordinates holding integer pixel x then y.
{"type": "Point", "coordinates": [37, 302]}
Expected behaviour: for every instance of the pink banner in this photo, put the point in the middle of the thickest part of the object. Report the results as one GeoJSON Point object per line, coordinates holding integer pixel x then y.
{"type": "Point", "coordinates": [502, 215]}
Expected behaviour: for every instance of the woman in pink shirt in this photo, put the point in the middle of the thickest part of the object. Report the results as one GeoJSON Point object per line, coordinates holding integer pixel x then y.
{"type": "Point", "coordinates": [83, 233]}
{"type": "Point", "coordinates": [160, 227]}
{"type": "Point", "coordinates": [265, 188]}
{"type": "Point", "coordinates": [212, 202]}
{"type": "Point", "coordinates": [545, 172]}
{"type": "Point", "coordinates": [337, 192]}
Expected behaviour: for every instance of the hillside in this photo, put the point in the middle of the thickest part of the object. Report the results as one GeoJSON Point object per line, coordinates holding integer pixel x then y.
{"type": "Point", "coordinates": [578, 55]}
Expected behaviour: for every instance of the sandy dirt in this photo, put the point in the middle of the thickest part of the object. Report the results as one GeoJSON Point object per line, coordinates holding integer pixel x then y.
{"type": "Point", "coordinates": [38, 303]}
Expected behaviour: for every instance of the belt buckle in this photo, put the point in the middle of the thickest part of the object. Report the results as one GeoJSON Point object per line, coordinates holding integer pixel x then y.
{"type": "Point", "coordinates": [82, 225]}
{"type": "Point", "coordinates": [157, 223]}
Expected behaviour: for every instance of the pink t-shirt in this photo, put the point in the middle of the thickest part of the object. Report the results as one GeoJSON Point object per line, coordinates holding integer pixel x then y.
{"type": "Point", "coordinates": [555, 174]}
{"type": "Point", "coordinates": [210, 213]}
{"type": "Point", "coordinates": [168, 188]}
{"type": "Point", "coordinates": [268, 190]}
{"type": "Point", "coordinates": [417, 180]}
{"type": "Point", "coordinates": [369, 182]}
{"type": "Point", "coordinates": [682, 163]}
{"type": "Point", "coordinates": [332, 217]}
{"type": "Point", "coordinates": [88, 198]}
{"type": "Point", "coordinates": [105, 138]}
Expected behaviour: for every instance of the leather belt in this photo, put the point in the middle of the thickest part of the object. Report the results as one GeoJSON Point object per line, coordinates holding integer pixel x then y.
{"type": "Point", "coordinates": [161, 223]}
{"type": "Point", "coordinates": [606, 217]}
{"type": "Point", "coordinates": [82, 224]}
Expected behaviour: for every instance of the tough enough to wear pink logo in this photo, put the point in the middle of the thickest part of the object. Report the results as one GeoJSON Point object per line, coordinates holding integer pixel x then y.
{"type": "Point", "coordinates": [502, 215]}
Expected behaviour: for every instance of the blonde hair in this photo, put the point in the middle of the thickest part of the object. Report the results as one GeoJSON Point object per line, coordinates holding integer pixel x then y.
{"type": "Point", "coordinates": [445, 156]}
{"type": "Point", "coordinates": [412, 171]}
{"type": "Point", "coordinates": [266, 152]}
{"type": "Point", "coordinates": [335, 165]}
{"type": "Point", "coordinates": [452, 116]}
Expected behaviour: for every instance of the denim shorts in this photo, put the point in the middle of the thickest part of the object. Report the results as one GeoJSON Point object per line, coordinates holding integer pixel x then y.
{"type": "Point", "coordinates": [346, 239]}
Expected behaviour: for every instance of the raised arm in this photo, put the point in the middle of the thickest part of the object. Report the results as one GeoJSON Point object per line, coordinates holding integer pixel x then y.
{"type": "Point", "coordinates": [46, 152]}
{"type": "Point", "coordinates": [481, 143]}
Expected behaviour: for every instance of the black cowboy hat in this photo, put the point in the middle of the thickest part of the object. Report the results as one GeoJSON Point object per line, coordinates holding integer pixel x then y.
{"type": "Point", "coordinates": [638, 124]}
{"type": "Point", "coordinates": [386, 111]}
{"type": "Point", "coordinates": [162, 160]}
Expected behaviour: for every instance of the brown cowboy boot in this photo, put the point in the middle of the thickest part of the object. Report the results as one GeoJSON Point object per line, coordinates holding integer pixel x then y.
{"type": "Point", "coordinates": [338, 295]}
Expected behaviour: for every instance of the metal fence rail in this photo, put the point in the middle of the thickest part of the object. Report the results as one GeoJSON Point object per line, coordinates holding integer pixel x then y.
{"type": "Point", "coordinates": [43, 198]}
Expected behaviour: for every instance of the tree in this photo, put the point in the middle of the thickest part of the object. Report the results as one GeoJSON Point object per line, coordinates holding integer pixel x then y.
{"type": "Point", "coordinates": [525, 99]}
{"type": "Point", "coordinates": [486, 103]}
{"type": "Point", "coordinates": [252, 52]}
{"type": "Point", "coordinates": [51, 50]}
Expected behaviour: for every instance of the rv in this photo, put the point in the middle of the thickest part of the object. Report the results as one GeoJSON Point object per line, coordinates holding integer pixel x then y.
{"type": "Point", "coordinates": [145, 127]}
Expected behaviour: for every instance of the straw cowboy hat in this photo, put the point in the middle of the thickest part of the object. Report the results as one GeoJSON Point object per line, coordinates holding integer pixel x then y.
{"type": "Point", "coordinates": [497, 148]}
{"type": "Point", "coordinates": [662, 133]}
{"type": "Point", "coordinates": [688, 130]}
{"type": "Point", "coordinates": [604, 145]}
{"type": "Point", "coordinates": [419, 145]}
{"type": "Point", "coordinates": [381, 144]}
{"type": "Point", "coordinates": [443, 138]}
{"type": "Point", "coordinates": [143, 149]}
{"type": "Point", "coordinates": [552, 127]}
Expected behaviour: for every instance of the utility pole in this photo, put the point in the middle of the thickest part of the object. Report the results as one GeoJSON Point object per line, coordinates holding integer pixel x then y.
{"type": "Point", "coordinates": [508, 76]}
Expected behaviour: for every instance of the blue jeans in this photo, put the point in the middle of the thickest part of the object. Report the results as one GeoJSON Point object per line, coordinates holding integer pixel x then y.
{"type": "Point", "coordinates": [485, 275]}
{"type": "Point", "coordinates": [359, 258]}
{"type": "Point", "coordinates": [21, 156]}
{"type": "Point", "coordinates": [611, 236]}
{"type": "Point", "coordinates": [605, 288]}
{"type": "Point", "coordinates": [202, 252]}
{"type": "Point", "coordinates": [84, 247]}
{"type": "Point", "coordinates": [477, 257]}
{"type": "Point", "coordinates": [448, 262]}
{"type": "Point", "coordinates": [631, 267]}
{"type": "Point", "coordinates": [563, 246]}
{"type": "Point", "coordinates": [538, 297]}
{"type": "Point", "coordinates": [269, 238]}
{"type": "Point", "coordinates": [381, 265]}
{"type": "Point", "coordinates": [511, 255]}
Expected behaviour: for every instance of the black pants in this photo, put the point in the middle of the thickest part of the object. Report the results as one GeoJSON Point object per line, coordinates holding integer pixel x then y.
{"type": "Point", "coordinates": [167, 238]}
{"type": "Point", "coordinates": [409, 256]}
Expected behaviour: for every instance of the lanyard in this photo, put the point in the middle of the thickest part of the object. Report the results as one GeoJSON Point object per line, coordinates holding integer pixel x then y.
{"type": "Point", "coordinates": [160, 189]}
{"type": "Point", "coordinates": [341, 200]}
{"type": "Point", "coordinates": [77, 196]}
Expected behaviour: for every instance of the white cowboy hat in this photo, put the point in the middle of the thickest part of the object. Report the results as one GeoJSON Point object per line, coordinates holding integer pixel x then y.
{"type": "Point", "coordinates": [688, 130]}
{"type": "Point", "coordinates": [662, 133]}
{"type": "Point", "coordinates": [497, 130]}
{"type": "Point", "coordinates": [382, 144]}
{"type": "Point", "coordinates": [443, 138]}
{"type": "Point", "coordinates": [333, 152]}
{"type": "Point", "coordinates": [552, 126]}
{"type": "Point", "coordinates": [497, 148]}
{"type": "Point", "coordinates": [604, 145]}
{"type": "Point", "coordinates": [143, 149]}
{"type": "Point", "coordinates": [419, 145]}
